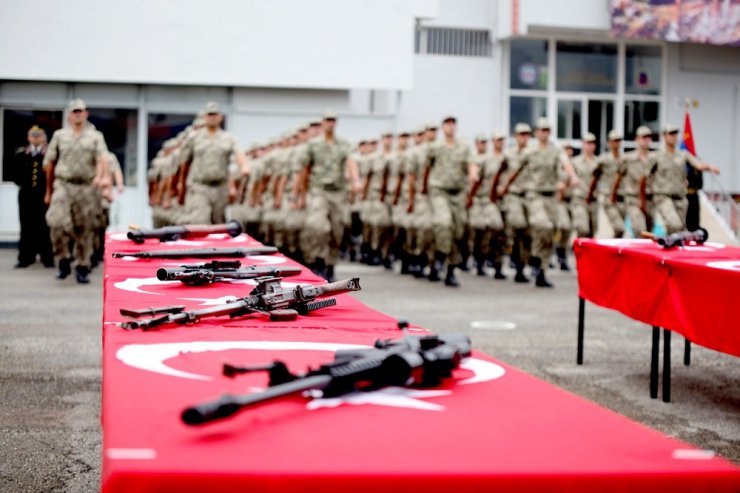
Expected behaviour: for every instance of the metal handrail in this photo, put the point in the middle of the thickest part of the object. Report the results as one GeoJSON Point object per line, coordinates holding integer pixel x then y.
{"type": "Point", "coordinates": [724, 203]}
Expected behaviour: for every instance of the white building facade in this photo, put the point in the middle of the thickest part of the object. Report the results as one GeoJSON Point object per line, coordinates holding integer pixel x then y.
{"type": "Point", "coordinates": [145, 67]}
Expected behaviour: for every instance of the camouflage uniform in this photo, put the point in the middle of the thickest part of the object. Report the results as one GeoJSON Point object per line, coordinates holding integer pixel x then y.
{"type": "Point", "coordinates": [484, 215]}
{"type": "Point", "coordinates": [377, 213]}
{"type": "Point", "coordinates": [632, 170]}
{"type": "Point", "coordinates": [669, 185]}
{"type": "Point", "coordinates": [420, 222]}
{"type": "Point", "coordinates": [327, 200]}
{"type": "Point", "coordinates": [514, 209]}
{"type": "Point", "coordinates": [207, 181]}
{"type": "Point", "coordinates": [609, 165]}
{"type": "Point", "coordinates": [248, 210]}
{"type": "Point", "coordinates": [584, 215]}
{"type": "Point", "coordinates": [294, 218]}
{"type": "Point", "coordinates": [74, 201]}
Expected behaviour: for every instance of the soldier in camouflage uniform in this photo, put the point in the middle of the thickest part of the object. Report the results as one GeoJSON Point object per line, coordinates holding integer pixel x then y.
{"type": "Point", "coordinates": [668, 180]}
{"type": "Point", "coordinates": [451, 171]}
{"type": "Point", "coordinates": [542, 165]}
{"type": "Point", "coordinates": [399, 207]}
{"type": "Point", "coordinates": [512, 203]}
{"type": "Point", "coordinates": [205, 185]}
{"type": "Point", "coordinates": [609, 164]}
{"type": "Point", "coordinates": [248, 210]}
{"type": "Point", "coordinates": [294, 217]}
{"type": "Point", "coordinates": [420, 236]}
{"type": "Point", "coordinates": [632, 169]}
{"type": "Point", "coordinates": [583, 206]}
{"type": "Point", "coordinates": [106, 199]}
{"type": "Point", "coordinates": [280, 175]}
{"type": "Point", "coordinates": [355, 237]}
{"type": "Point", "coordinates": [377, 212]}
{"type": "Point", "coordinates": [76, 163]}
{"type": "Point", "coordinates": [160, 176]}
{"type": "Point", "coordinates": [563, 225]}
{"type": "Point", "coordinates": [327, 174]}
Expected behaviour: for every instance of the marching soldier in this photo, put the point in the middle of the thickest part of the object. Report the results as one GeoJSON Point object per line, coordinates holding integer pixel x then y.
{"type": "Point", "coordinates": [583, 207]}
{"type": "Point", "coordinates": [327, 175]}
{"type": "Point", "coordinates": [399, 209]}
{"type": "Point", "coordinates": [76, 163]}
{"type": "Point", "coordinates": [450, 170]}
{"type": "Point", "coordinates": [377, 213]}
{"type": "Point", "coordinates": [205, 186]}
{"type": "Point", "coordinates": [668, 181]}
{"type": "Point", "coordinates": [634, 203]}
{"type": "Point", "coordinates": [609, 164]}
{"type": "Point", "coordinates": [28, 174]}
{"type": "Point", "coordinates": [106, 198]}
{"type": "Point", "coordinates": [563, 225]}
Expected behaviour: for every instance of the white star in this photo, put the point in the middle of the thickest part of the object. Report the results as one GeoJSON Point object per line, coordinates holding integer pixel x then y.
{"type": "Point", "coordinates": [389, 396]}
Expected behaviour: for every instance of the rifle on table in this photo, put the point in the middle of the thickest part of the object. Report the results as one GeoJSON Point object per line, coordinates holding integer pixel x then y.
{"type": "Point", "coordinates": [200, 253]}
{"type": "Point", "coordinates": [268, 297]}
{"type": "Point", "coordinates": [419, 361]}
{"type": "Point", "coordinates": [220, 271]}
{"type": "Point", "coordinates": [173, 233]}
{"type": "Point", "coordinates": [679, 238]}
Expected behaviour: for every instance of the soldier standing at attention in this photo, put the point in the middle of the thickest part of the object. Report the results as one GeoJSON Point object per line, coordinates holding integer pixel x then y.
{"type": "Point", "coordinates": [668, 180]}
{"type": "Point", "coordinates": [584, 209]}
{"type": "Point", "coordinates": [450, 171]}
{"type": "Point", "coordinates": [633, 167]}
{"type": "Point", "coordinates": [327, 174]}
{"type": "Point", "coordinates": [28, 174]}
{"type": "Point", "coordinates": [205, 185]}
{"type": "Point", "coordinates": [609, 164]}
{"type": "Point", "coordinates": [76, 163]}
{"type": "Point", "coordinates": [542, 181]}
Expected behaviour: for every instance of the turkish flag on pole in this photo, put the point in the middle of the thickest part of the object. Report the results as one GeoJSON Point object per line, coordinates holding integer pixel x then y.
{"type": "Point", "coordinates": [687, 142]}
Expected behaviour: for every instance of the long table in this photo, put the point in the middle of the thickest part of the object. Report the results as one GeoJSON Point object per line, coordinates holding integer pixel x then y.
{"type": "Point", "coordinates": [492, 426]}
{"type": "Point", "coordinates": [692, 290]}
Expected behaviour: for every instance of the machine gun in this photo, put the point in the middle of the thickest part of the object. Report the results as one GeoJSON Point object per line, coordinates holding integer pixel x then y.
{"type": "Point", "coordinates": [679, 238]}
{"type": "Point", "coordinates": [220, 271]}
{"type": "Point", "coordinates": [173, 233]}
{"type": "Point", "coordinates": [420, 361]}
{"type": "Point", "coordinates": [200, 253]}
{"type": "Point", "coordinates": [268, 297]}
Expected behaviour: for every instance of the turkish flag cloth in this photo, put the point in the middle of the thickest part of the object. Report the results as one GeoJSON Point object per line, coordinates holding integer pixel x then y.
{"type": "Point", "coordinates": [692, 290]}
{"type": "Point", "coordinates": [490, 427]}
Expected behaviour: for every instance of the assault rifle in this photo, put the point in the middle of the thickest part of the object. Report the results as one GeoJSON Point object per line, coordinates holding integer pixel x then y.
{"type": "Point", "coordinates": [680, 238]}
{"type": "Point", "coordinates": [268, 297]}
{"type": "Point", "coordinates": [220, 271]}
{"type": "Point", "coordinates": [420, 361]}
{"type": "Point", "coordinates": [200, 253]}
{"type": "Point", "coordinates": [173, 233]}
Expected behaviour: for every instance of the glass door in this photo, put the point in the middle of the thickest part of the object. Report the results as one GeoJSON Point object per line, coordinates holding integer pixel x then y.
{"type": "Point", "coordinates": [600, 120]}
{"type": "Point", "coordinates": [570, 120]}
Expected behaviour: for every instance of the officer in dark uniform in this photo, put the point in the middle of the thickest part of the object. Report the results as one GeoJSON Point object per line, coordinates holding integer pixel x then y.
{"type": "Point", "coordinates": [29, 175]}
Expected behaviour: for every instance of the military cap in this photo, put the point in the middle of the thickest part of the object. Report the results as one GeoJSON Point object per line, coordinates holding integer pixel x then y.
{"type": "Point", "coordinates": [76, 104]}
{"type": "Point", "coordinates": [387, 133]}
{"type": "Point", "coordinates": [36, 130]}
{"type": "Point", "coordinates": [481, 138]}
{"type": "Point", "coordinates": [449, 118]}
{"type": "Point", "coordinates": [419, 130]}
{"type": "Point", "coordinates": [498, 134]}
{"type": "Point", "coordinates": [212, 107]}
{"type": "Point", "coordinates": [522, 128]}
{"type": "Point", "coordinates": [404, 133]}
{"type": "Point", "coordinates": [362, 142]}
{"type": "Point", "coordinates": [643, 131]}
{"type": "Point", "coordinates": [615, 135]}
{"type": "Point", "coordinates": [315, 123]}
{"type": "Point", "coordinates": [670, 128]}
{"type": "Point", "coordinates": [542, 123]}
{"type": "Point", "coordinates": [589, 137]}
{"type": "Point", "coordinates": [431, 126]}
{"type": "Point", "coordinates": [330, 115]}
{"type": "Point", "coordinates": [567, 145]}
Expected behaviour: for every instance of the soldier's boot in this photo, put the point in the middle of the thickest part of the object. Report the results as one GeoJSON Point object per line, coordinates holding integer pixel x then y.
{"type": "Point", "coordinates": [319, 267]}
{"type": "Point", "coordinates": [464, 264]}
{"type": "Point", "coordinates": [539, 273]}
{"type": "Point", "coordinates": [329, 273]}
{"type": "Point", "coordinates": [436, 267]}
{"type": "Point", "coordinates": [450, 279]}
{"type": "Point", "coordinates": [81, 273]}
{"type": "Point", "coordinates": [520, 277]}
{"type": "Point", "coordinates": [420, 263]}
{"type": "Point", "coordinates": [388, 262]}
{"type": "Point", "coordinates": [498, 274]}
{"type": "Point", "coordinates": [374, 258]}
{"type": "Point", "coordinates": [65, 268]}
{"type": "Point", "coordinates": [562, 259]}
{"type": "Point", "coordinates": [407, 265]}
{"type": "Point", "coordinates": [364, 253]}
{"type": "Point", "coordinates": [480, 264]}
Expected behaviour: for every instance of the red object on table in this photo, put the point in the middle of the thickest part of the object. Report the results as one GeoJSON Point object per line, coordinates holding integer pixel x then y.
{"type": "Point", "coordinates": [490, 428]}
{"type": "Point", "coordinates": [692, 290]}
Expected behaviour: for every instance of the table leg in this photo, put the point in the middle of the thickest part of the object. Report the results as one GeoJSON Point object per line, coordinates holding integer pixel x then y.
{"type": "Point", "coordinates": [654, 363]}
{"type": "Point", "coordinates": [687, 352]}
{"type": "Point", "coordinates": [666, 365]}
{"type": "Point", "coordinates": [581, 314]}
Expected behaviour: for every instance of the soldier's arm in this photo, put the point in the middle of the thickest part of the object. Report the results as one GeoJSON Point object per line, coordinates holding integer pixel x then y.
{"type": "Point", "coordinates": [493, 195]}
{"type": "Point", "coordinates": [280, 190]}
{"type": "Point", "coordinates": [700, 165]}
{"type": "Point", "coordinates": [52, 153]}
{"type": "Point", "coordinates": [594, 182]}
{"type": "Point", "coordinates": [354, 175]}
{"type": "Point", "coordinates": [568, 167]}
{"type": "Point", "coordinates": [366, 187]}
{"type": "Point", "coordinates": [384, 183]}
{"type": "Point", "coordinates": [616, 185]}
{"type": "Point", "coordinates": [102, 167]}
{"type": "Point", "coordinates": [474, 182]}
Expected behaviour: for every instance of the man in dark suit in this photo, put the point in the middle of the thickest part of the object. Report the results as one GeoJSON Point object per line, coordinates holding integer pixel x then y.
{"type": "Point", "coordinates": [28, 174]}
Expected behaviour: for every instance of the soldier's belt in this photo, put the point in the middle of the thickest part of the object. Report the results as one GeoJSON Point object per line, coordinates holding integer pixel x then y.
{"type": "Point", "coordinates": [212, 183]}
{"type": "Point", "coordinates": [330, 187]}
{"type": "Point", "coordinates": [691, 191]}
{"type": "Point", "coordinates": [545, 193]}
{"type": "Point", "coordinates": [75, 181]}
{"type": "Point", "coordinates": [450, 191]}
{"type": "Point", "coordinates": [620, 198]}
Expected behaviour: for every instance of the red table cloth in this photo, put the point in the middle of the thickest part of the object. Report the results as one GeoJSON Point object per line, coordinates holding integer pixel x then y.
{"type": "Point", "coordinates": [693, 290]}
{"type": "Point", "coordinates": [490, 427]}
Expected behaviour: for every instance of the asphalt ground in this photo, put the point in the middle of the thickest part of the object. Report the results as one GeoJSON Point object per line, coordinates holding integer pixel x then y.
{"type": "Point", "coordinates": [50, 354]}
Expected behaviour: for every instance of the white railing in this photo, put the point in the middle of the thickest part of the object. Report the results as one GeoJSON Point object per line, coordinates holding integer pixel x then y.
{"type": "Point", "coordinates": [725, 205]}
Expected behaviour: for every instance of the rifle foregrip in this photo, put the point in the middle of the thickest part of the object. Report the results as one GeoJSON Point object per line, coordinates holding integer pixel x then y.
{"type": "Point", "coordinates": [210, 411]}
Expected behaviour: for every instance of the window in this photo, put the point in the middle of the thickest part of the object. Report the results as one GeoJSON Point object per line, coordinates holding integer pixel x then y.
{"type": "Point", "coordinates": [16, 123]}
{"type": "Point", "coordinates": [119, 127]}
{"type": "Point", "coordinates": [456, 42]}
{"type": "Point", "coordinates": [525, 109]}
{"type": "Point", "coordinates": [569, 119]}
{"type": "Point", "coordinates": [586, 67]}
{"type": "Point", "coordinates": [642, 70]}
{"type": "Point", "coordinates": [163, 126]}
{"type": "Point", "coordinates": [528, 64]}
{"type": "Point", "coordinates": [638, 113]}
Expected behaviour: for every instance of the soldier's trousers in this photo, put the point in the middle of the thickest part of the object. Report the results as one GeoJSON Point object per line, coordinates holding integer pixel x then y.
{"type": "Point", "coordinates": [616, 219]}
{"type": "Point", "coordinates": [542, 215]}
{"type": "Point", "coordinates": [632, 211]}
{"type": "Point", "coordinates": [324, 226]}
{"type": "Point", "coordinates": [672, 211]}
{"type": "Point", "coordinates": [517, 230]}
{"type": "Point", "coordinates": [205, 204]}
{"type": "Point", "coordinates": [35, 238]}
{"type": "Point", "coordinates": [294, 219]}
{"type": "Point", "coordinates": [377, 217]}
{"type": "Point", "coordinates": [487, 227]}
{"type": "Point", "coordinates": [421, 225]}
{"type": "Point", "coordinates": [584, 217]}
{"type": "Point", "coordinates": [448, 209]}
{"type": "Point", "coordinates": [72, 215]}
